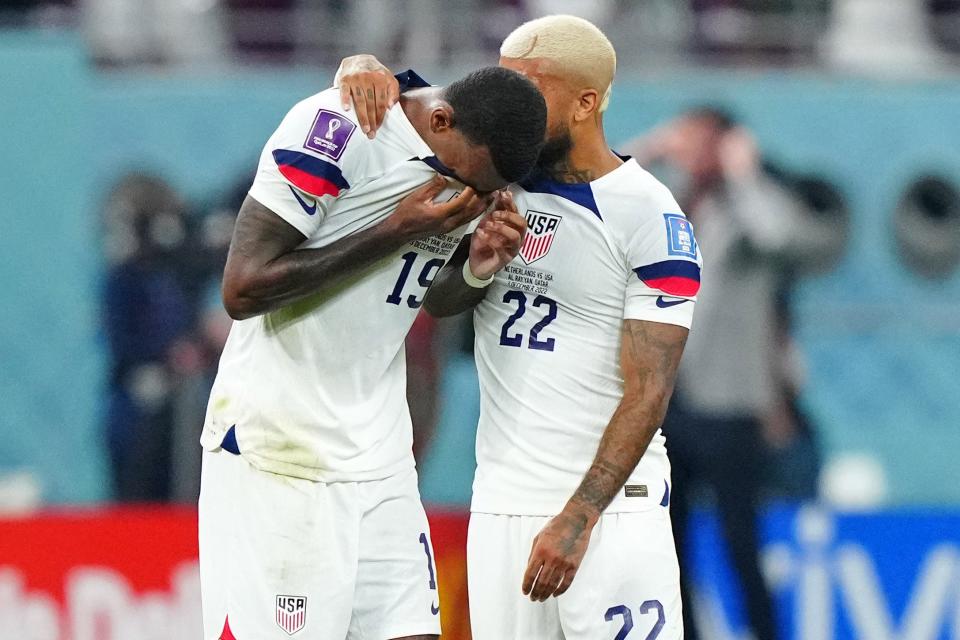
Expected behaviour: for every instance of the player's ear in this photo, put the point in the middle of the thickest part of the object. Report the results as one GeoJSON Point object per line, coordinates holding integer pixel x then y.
{"type": "Point", "coordinates": [587, 105]}
{"type": "Point", "coordinates": [441, 118]}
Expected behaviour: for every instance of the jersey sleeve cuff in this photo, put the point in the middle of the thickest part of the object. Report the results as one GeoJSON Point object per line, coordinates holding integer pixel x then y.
{"type": "Point", "coordinates": [678, 311]}
{"type": "Point", "coordinates": [287, 210]}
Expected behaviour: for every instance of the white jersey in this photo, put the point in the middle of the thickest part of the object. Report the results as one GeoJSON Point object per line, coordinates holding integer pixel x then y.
{"type": "Point", "coordinates": [549, 333]}
{"type": "Point", "coordinates": [317, 390]}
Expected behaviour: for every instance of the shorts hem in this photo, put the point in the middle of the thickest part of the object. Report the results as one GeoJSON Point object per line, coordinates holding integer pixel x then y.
{"type": "Point", "coordinates": [412, 629]}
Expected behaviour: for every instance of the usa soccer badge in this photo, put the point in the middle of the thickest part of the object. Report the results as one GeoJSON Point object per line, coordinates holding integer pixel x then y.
{"type": "Point", "coordinates": [541, 230]}
{"type": "Point", "coordinates": [291, 613]}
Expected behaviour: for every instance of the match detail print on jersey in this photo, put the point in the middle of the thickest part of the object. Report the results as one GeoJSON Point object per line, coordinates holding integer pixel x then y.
{"type": "Point", "coordinates": [541, 230]}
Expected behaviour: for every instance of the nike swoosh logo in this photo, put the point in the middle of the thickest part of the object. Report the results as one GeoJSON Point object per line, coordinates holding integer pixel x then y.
{"type": "Point", "coordinates": [310, 210]}
{"type": "Point", "coordinates": [666, 304]}
{"type": "Point", "coordinates": [434, 609]}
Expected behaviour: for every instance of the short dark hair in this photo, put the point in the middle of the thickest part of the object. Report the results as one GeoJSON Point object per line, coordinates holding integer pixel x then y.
{"type": "Point", "coordinates": [503, 111]}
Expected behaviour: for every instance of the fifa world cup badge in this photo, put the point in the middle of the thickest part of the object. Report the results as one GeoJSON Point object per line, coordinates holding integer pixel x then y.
{"type": "Point", "coordinates": [330, 133]}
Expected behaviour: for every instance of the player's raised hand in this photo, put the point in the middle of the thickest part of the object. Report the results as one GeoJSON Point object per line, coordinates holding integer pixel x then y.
{"type": "Point", "coordinates": [556, 555]}
{"type": "Point", "coordinates": [370, 87]}
{"type": "Point", "coordinates": [418, 216]}
{"type": "Point", "coordinates": [739, 154]}
{"type": "Point", "coordinates": [497, 239]}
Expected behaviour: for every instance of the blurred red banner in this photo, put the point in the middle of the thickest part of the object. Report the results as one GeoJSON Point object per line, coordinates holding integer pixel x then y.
{"type": "Point", "coordinates": [120, 574]}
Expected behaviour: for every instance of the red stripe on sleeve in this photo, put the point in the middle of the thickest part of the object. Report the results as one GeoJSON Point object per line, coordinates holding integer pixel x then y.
{"type": "Point", "coordinates": [314, 185]}
{"type": "Point", "coordinates": [675, 286]}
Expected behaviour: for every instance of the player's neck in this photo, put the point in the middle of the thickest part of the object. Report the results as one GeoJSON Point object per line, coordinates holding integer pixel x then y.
{"type": "Point", "coordinates": [588, 159]}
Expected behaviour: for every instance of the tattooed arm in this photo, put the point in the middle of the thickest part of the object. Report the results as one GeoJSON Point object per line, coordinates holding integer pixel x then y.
{"type": "Point", "coordinates": [649, 356]}
{"type": "Point", "coordinates": [266, 270]}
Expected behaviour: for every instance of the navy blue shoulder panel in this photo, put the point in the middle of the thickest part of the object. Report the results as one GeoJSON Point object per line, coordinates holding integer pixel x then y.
{"type": "Point", "coordinates": [410, 79]}
{"type": "Point", "coordinates": [580, 192]}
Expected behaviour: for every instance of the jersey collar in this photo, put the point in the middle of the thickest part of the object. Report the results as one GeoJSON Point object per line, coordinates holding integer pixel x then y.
{"type": "Point", "coordinates": [410, 79]}
{"type": "Point", "coordinates": [580, 193]}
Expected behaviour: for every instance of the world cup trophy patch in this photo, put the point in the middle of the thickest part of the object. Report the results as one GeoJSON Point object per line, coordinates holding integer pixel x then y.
{"type": "Point", "coordinates": [329, 134]}
{"type": "Point", "coordinates": [541, 230]}
{"type": "Point", "coordinates": [291, 613]}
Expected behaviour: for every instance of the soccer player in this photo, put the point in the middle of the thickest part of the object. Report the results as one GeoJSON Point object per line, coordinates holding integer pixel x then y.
{"type": "Point", "coordinates": [310, 516]}
{"type": "Point", "coordinates": [577, 346]}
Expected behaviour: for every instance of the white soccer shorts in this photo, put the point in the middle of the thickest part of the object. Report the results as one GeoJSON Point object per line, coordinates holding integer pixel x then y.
{"type": "Point", "coordinates": [283, 557]}
{"type": "Point", "coordinates": [628, 585]}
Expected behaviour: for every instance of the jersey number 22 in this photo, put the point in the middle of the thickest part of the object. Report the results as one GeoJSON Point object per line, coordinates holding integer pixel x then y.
{"type": "Point", "coordinates": [516, 340]}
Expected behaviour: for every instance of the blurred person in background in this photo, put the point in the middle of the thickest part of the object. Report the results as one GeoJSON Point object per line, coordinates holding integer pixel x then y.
{"type": "Point", "coordinates": [819, 238]}
{"type": "Point", "coordinates": [730, 386]}
{"type": "Point", "coordinates": [195, 362]}
{"type": "Point", "coordinates": [148, 320]}
{"type": "Point", "coordinates": [793, 453]}
{"type": "Point", "coordinates": [423, 381]}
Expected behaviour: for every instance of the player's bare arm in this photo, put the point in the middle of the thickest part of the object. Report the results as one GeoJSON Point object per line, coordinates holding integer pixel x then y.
{"type": "Point", "coordinates": [371, 88]}
{"type": "Point", "coordinates": [266, 271]}
{"type": "Point", "coordinates": [493, 245]}
{"type": "Point", "coordinates": [649, 356]}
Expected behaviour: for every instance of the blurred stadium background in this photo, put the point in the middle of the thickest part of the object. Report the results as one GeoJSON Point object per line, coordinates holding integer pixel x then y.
{"type": "Point", "coordinates": [130, 130]}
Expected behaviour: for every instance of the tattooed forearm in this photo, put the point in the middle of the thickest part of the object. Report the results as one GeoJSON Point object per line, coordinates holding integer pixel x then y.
{"type": "Point", "coordinates": [649, 357]}
{"type": "Point", "coordinates": [265, 270]}
{"type": "Point", "coordinates": [600, 484]}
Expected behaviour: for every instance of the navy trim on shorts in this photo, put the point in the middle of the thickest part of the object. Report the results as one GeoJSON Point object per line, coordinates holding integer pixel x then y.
{"type": "Point", "coordinates": [230, 441]}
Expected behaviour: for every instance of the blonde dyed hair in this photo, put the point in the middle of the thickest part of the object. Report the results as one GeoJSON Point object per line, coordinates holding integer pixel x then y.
{"type": "Point", "coordinates": [576, 45]}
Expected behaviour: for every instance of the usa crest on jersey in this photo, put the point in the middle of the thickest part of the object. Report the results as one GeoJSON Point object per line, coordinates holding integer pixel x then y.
{"type": "Point", "coordinates": [291, 613]}
{"type": "Point", "coordinates": [541, 230]}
